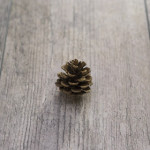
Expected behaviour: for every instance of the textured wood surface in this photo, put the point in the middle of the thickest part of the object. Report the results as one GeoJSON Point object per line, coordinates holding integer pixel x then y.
{"type": "Point", "coordinates": [37, 37]}
{"type": "Point", "coordinates": [5, 6]}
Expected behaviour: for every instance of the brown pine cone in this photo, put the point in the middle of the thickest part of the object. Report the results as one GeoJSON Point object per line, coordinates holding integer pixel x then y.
{"type": "Point", "coordinates": [76, 79]}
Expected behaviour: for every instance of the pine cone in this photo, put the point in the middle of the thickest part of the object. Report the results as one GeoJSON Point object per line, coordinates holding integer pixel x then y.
{"type": "Point", "coordinates": [76, 80]}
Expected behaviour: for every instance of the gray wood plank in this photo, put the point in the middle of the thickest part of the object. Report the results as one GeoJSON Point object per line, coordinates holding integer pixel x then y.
{"type": "Point", "coordinates": [5, 7]}
{"type": "Point", "coordinates": [112, 37]}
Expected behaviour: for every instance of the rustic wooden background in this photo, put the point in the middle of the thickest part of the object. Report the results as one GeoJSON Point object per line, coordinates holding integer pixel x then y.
{"type": "Point", "coordinates": [37, 37]}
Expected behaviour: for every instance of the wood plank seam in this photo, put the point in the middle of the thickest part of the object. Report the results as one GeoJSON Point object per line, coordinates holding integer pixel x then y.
{"type": "Point", "coordinates": [7, 26]}
{"type": "Point", "coordinates": [147, 17]}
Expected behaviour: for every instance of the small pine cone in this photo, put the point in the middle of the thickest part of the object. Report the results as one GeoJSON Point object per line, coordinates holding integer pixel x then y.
{"type": "Point", "coordinates": [76, 79]}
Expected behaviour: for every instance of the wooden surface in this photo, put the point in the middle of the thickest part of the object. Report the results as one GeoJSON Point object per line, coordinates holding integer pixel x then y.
{"type": "Point", "coordinates": [4, 20]}
{"type": "Point", "coordinates": [37, 37]}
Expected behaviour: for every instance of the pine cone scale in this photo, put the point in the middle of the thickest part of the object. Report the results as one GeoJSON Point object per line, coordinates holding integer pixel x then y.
{"type": "Point", "coordinates": [73, 83]}
{"type": "Point", "coordinates": [71, 75]}
{"type": "Point", "coordinates": [87, 90]}
{"type": "Point", "coordinates": [83, 86]}
{"type": "Point", "coordinates": [76, 90]}
{"type": "Point", "coordinates": [64, 84]}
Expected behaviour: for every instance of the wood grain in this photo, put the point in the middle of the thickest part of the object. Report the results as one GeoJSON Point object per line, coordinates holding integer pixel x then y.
{"type": "Point", "coordinates": [5, 7]}
{"type": "Point", "coordinates": [112, 37]}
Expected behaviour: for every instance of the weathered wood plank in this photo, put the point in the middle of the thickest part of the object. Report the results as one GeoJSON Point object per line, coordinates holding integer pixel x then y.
{"type": "Point", "coordinates": [112, 37]}
{"type": "Point", "coordinates": [5, 7]}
